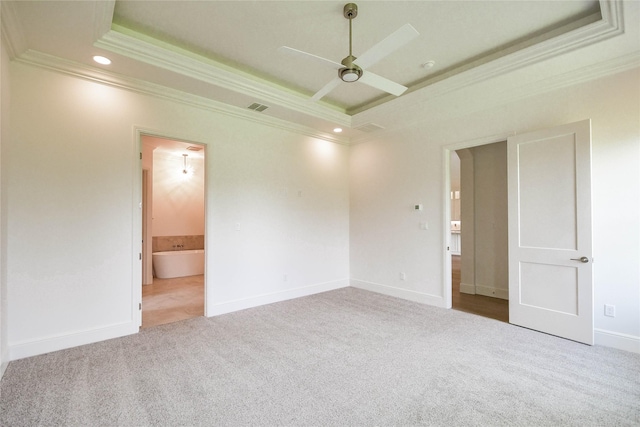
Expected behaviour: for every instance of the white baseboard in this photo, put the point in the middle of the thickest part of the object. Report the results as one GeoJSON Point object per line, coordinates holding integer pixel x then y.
{"type": "Point", "coordinates": [488, 291]}
{"type": "Point", "coordinates": [72, 339]}
{"type": "Point", "coordinates": [467, 288]}
{"type": "Point", "coordinates": [4, 357]}
{"type": "Point", "coordinates": [256, 301]}
{"type": "Point", "coordinates": [491, 291]}
{"type": "Point", "coordinates": [420, 297]}
{"type": "Point", "coordinates": [3, 368]}
{"type": "Point", "coordinates": [616, 340]}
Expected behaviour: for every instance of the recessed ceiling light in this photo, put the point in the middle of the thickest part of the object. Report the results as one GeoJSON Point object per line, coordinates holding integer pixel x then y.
{"type": "Point", "coordinates": [429, 64]}
{"type": "Point", "coordinates": [337, 130]}
{"type": "Point", "coordinates": [102, 60]}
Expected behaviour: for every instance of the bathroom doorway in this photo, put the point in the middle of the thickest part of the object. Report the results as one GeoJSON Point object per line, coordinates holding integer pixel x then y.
{"type": "Point", "coordinates": [173, 224]}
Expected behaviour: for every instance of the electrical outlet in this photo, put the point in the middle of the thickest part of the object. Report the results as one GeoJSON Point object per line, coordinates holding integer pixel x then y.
{"type": "Point", "coordinates": [610, 310]}
{"type": "Point", "coordinates": [285, 278]}
{"type": "Point", "coordinates": [403, 276]}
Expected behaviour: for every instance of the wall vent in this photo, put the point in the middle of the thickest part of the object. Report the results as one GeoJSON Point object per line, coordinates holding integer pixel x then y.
{"type": "Point", "coordinates": [258, 107]}
{"type": "Point", "coordinates": [369, 127]}
{"type": "Point", "coordinates": [194, 148]}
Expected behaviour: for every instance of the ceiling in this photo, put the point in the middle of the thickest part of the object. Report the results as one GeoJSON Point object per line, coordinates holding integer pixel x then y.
{"type": "Point", "coordinates": [226, 52]}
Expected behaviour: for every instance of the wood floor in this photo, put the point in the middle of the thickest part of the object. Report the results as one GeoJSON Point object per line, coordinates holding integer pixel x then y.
{"type": "Point", "coordinates": [171, 300]}
{"type": "Point", "coordinates": [494, 308]}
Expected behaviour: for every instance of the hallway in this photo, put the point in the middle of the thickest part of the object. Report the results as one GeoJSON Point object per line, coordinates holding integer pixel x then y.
{"type": "Point", "coordinates": [481, 305]}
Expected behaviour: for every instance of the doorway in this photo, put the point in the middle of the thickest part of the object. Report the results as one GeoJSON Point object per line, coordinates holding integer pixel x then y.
{"type": "Point", "coordinates": [478, 230]}
{"type": "Point", "coordinates": [549, 242]}
{"type": "Point", "coordinates": [173, 224]}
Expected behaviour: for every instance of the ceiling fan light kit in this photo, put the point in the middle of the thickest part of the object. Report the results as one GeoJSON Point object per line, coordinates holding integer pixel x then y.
{"type": "Point", "coordinates": [352, 69]}
{"type": "Point", "coordinates": [351, 72]}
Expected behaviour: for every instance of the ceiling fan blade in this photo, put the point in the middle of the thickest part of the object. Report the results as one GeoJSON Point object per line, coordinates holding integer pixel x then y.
{"type": "Point", "coordinates": [295, 53]}
{"type": "Point", "coordinates": [381, 83]}
{"type": "Point", "coordinates": [327, 88]}
{"type": "Point", "coordinates": [394, 41]}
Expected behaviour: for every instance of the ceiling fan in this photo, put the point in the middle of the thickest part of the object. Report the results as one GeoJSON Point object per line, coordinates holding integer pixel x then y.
{"type": "Point", "coordinates": [353, 69]}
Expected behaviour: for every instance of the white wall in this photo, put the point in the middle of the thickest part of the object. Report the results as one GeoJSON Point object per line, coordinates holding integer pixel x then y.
{"type": "Point", "coordinates": [4, 137]}
{"type": "Point", "coordinates": [72, 209]}
{"type": "Point", "coordinates": [70, 204]}
{"type": "Point", "coordinates": [484, 266]}
{"type": "Point", "coordinates": [178, 199]}
{"type": "Point", "coordinates": [490, 217]}
{"type": "Point", "coordinates": [399, 168]}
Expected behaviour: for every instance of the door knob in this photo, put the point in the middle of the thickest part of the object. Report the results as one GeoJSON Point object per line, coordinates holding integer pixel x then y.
{"type": "Point", "coordinates": [581, 259]}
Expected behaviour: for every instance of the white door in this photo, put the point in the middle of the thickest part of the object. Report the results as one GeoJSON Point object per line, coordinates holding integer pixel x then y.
{"type": "Point", "coordinates": [550, 249]}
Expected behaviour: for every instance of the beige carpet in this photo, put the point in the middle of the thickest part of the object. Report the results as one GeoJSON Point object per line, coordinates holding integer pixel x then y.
{"type": "Point", "coordinates": [343, 358]}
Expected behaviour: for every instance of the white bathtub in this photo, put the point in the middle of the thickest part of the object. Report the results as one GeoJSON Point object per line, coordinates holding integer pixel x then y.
{"type": "Point", "coordinates": [167, 265]}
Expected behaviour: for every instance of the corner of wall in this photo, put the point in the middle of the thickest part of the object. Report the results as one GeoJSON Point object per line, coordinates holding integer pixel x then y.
{"type": "Point", "coordinates": [4, 126]}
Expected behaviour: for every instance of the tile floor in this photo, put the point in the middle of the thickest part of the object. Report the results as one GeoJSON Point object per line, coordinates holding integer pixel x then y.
{"type": "Point", "coordinates": [171, 300]}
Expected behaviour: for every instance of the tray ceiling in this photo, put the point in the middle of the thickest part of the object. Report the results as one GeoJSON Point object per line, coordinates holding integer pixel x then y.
{"type": "Point", "coordinates": [226, 51]}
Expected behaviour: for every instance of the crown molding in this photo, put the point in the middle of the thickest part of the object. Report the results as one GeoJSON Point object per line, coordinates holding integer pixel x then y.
{"type": "Point", "coordinates": [550, 84]}
{"type": "Point", "coordinates": [142, 48]}
{"type": "Point", "coordinates": [85, 72]}
{"type": "Point", "coordinates": [575, 35]}
{"type": "Point", "coordinates": [571, 78]}
{"type": "Point", "coordinates": [103, 17]}
{"type": "Point", "coordinates": [12, 32]}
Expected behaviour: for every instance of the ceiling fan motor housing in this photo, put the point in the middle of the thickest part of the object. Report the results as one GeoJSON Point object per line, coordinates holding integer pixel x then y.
{"type": "Point", "coordinates": [350, 10]}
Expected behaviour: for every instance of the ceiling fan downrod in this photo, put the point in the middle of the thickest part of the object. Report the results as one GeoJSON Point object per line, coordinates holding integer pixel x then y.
{"type": "Point", "coordinates": [351, 72]}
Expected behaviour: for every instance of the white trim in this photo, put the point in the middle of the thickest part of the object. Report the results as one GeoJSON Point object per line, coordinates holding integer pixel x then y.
{"type": "Point", "coordinates": [393, 291]}
{"type": "Point", "coordinates": [270, 298]}
{"type": "Point", "coordinates": [48, 344]}
{"type": "Point", "coordinates": [571, 78]}
{"type": "Point", "coordinates": [467, 288]}
{"type": "Point", "coordinates": [136, 229]}
{"type": "Point", "coordinates": [43, 60]}
{"type": "Point", "coordinates": [617, 340]}
{"type": "Point", "coordinates": [585, 32]}
{"type": "Point", "coordinates": [570, 37]}
{"type": "Point", "coordinates": [513, 94]}
{"type": "Point", "coordinates": [446, 231]}
{"type": "Point", "coordinates": [103, 17]}
{"type": "Point", "coordinates": [12, 32]}
{"type": "Point", "coordinates": [491, 291]}
{"type": "Point", "coordinates": [446, 222]}
{"type": "Point", "coordinates": [139, 133]}
{"type": "Point", "coordinates": [145, 49]}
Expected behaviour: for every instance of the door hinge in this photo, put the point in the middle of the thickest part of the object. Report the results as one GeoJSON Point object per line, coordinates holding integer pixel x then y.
{"type": "Point", "coordinates": [140, 156]}
{"type": "Point", "coordinates": [139, 306]}
{"type": "Point", "coordinates": [140, 256]}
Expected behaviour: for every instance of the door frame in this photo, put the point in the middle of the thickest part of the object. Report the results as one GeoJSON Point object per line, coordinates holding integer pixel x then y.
{"type": "Point", "coordinates": [147, 272]}
{"type": "Point", "coordinates": [136, 281]}
{"type": "Point", "coordinates": [446, 197]}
